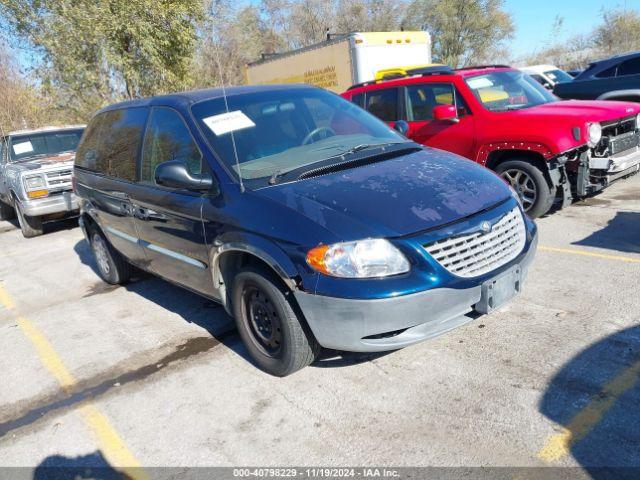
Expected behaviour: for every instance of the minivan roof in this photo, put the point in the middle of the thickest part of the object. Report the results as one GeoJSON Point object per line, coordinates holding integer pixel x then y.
{"type": "Point", "coordinates": [185, 99]}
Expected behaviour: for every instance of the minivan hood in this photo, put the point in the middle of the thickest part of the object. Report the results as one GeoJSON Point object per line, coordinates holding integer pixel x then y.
{"type": "Point", "coordinates": [582, 110]}
{"type": "Point", "coordinates": [395, 197]}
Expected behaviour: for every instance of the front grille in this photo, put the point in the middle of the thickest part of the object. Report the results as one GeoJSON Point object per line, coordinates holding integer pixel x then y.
{"type": "Point", "coordinates": [619, 127]}
{"type": "Point", "coordinates": [62, 177]}
{"type": "Point", "coordinates": [624, 142]}
{"type": "Point", "coordinates": [477, 253]}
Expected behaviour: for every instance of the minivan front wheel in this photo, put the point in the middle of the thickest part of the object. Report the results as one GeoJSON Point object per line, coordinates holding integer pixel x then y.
{"type": "Point", "coordinates": [269, 326]}
{"type": "Point", "coordinates": [112, 267]}
{"type": "Point", "coordinates": [529, 183]}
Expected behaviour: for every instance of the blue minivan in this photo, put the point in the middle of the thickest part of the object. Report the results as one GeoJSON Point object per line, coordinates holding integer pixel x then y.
{"type": "Point", "coordinates": [314, 223]}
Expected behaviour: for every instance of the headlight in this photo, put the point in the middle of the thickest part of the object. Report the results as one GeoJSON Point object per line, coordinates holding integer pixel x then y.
{"type": "Point", "coordinates": [363, 259]}
{"type": "Point", "coordinates": [34, 182]}
{"type": "Point", "coordinates": [638, 122]}
{"type": "Point", "coordinates": [36, 186]}
{"type": "Point", "coordinates": [594, 134]}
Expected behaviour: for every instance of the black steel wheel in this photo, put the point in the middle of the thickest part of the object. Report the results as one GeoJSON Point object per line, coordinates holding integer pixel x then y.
{"type": "Point", "coordinates": [275, 335]}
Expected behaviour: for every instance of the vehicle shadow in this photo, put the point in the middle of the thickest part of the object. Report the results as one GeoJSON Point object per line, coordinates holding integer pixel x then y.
{"type": "Point", "coordinates": [622, 233]}
{"type": "Point", "coordinates": [596, 398]}
{"type": "Point", "coordinates": [192, 307]}
{"type": "Point", "coordinates": [92, 466]}
{"type": "Point", "coordinates": [207, 314]}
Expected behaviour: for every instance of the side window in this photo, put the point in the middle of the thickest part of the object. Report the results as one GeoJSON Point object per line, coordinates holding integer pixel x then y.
{"type": "Point", "coordinates": [383, 104]}
{"type": "Point", "coordinates": [111, 143]}
{"type": "Point", "coordinates": [630, 67]}
{"type": "Point", "coordinates": [609, 72]}
{"type": "Point", "coordinates": [168, 138]}
{"type": "Point", "coordinates": [421, 100]}
{"type": "Point", "coordinates": [358, 99]}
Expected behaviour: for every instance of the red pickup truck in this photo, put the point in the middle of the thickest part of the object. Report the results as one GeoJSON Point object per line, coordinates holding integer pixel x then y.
{"type": "Point", "coordinates": [502, 118]}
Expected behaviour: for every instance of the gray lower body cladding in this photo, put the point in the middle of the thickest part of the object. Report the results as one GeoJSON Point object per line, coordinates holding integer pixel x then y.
{"type": "Point", "coordinates": [392, 323]}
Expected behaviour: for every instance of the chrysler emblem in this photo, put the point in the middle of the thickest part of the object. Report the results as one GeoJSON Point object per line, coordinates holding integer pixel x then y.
{"type": "Point", "coordinates": [485, 227]}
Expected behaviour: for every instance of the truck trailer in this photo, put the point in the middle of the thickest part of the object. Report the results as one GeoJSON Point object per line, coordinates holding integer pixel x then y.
{"type": "Point", "coordinates": [342, 60]}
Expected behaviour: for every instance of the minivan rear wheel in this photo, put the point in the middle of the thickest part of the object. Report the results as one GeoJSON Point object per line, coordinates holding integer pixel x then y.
{"type": "Point", "coordinates": [112, 267]}
{"type": "Point", "coordinates": [272, 331]}
{"type": "Point", "coordinates": [529, 183]}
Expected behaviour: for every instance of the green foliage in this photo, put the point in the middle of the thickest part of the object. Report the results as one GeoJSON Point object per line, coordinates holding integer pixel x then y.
{"type": "Point", "coordinates": [463, 31]}
{"type": "Point", "coordinates": [98, 51]}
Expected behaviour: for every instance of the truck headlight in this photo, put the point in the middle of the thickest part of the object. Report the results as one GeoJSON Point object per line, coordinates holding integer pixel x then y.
{"type": "Point", "coordinates": [362, 259]}
{"type": "Point", "coordinates": [594, 134]}
{"type": "Point", "coordinates": [36, 186]}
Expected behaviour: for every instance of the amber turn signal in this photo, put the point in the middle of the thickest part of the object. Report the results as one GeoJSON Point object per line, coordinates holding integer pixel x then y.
{"type": "Point", "coordinates": [315, 258]}
{"type": "Point", "coordinates": [38, 193]}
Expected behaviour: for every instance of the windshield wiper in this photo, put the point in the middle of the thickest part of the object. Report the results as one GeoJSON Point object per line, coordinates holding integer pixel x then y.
{"type": "Point", "coordinates": [366, 146]}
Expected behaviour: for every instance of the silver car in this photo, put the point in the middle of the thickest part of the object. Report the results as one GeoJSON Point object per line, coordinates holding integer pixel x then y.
{"type": "Point", "coordinates": [36, 167]}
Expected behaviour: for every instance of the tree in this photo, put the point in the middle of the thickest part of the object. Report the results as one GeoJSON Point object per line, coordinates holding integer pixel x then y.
{"type": "Point", "coordinates": [463, 31]}
{"type": "Point", "coordinates": [96, 52]}
{"type": "Point", "coordinates": [21, 103]}
{"type": "Point", "coordinates": [619, 32]}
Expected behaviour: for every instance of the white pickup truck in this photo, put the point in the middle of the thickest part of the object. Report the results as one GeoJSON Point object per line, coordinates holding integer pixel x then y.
{"type": "Point", "coordinates": [36, 167]}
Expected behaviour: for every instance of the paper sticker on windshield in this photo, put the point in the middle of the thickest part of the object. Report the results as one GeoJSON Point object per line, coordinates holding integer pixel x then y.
{"type": "Point", "coordinates": [23, 147]}
{"type": "Point", "coordinates": [481, 82]}
{"type": "Point", "coordinates": [228, 122]}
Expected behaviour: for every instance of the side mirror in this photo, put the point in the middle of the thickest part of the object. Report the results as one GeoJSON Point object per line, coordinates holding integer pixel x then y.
{"type": "Point", "coordinates": [445, 112]}
{"type": "Point", "coordinates": [401, 127]}
{"type": "Point", "coordinates": [175, 174]}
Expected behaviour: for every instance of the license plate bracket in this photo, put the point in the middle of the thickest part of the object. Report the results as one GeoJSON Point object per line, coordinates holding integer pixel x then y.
{"type": "Point", "coordinates": [499, 290]}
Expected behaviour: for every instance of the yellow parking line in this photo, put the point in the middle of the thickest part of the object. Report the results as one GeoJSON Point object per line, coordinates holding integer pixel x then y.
{"type": "Point", "coordinates": [585, 253]}
{"type": "Point", "coordinates": [582, 423]}
{"type": "Point", "coordinates": [107, 437]}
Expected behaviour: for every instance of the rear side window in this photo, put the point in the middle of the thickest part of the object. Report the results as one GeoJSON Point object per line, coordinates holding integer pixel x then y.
{"type": "Point", "coordinates": [383, 104]}
{"type": "Point", "coordinates": [609, 72]}
{"type": "Point", "coordinates": [358, 99]}
{"type": "Point", "coordinates": [168, 138]}
{"type": "Point", "coordinates": [630, 67]}
{"type": "Point", "coordinates": [111, 143]}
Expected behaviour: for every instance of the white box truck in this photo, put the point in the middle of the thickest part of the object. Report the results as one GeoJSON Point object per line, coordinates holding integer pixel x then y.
{"type": "Point", "coordinates": [343, 60]}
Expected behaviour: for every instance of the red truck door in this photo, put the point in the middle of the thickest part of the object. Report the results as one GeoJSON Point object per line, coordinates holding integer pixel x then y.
{"type": "Point", "coordinates": [455, 135]}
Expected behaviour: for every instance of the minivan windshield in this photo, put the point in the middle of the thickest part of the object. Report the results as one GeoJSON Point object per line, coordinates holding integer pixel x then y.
{"type": "Point", "coordinates": [43, 144]}
{"type": "Point", "coordinates": [508, 90]}
{"type": "Point", "coordinates": [279, 131]}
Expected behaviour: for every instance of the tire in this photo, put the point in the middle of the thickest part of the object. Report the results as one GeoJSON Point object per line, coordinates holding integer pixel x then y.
{"type": "Point", "coordinates": [529, 182]}
{"type": "Point", "coordinates": [272, 331]}
{"type": "Point", "coordinates": [111, 265]}
{"type": "Point", "coordinates": [30, 226]}
{"type": "Point", "coordinates": [7, 212]}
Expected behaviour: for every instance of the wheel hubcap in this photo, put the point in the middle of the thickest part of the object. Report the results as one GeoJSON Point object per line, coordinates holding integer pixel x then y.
{"type": "Point", "coordinates": [100, 252]}
{"type": "Point", "coordinates": [524, 186]}
{"type": "Point", "coordinates": [264, 321]}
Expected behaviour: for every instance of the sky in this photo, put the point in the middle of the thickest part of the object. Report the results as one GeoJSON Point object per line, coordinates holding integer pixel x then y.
{"type": "Point", "coordinates": [534, 20]}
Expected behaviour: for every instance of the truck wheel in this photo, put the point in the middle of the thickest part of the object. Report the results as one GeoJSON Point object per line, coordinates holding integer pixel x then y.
{"type": "Point", "coordinates": [529, 182]}
{"type": "Point", "coordinates": [271, 330]}
{"type": "Point", "coordinates": [30, 226]}
{"type": "Point", "coordinates": [6, 211]}
{"type": "Point", "coordinates": [112, 267]}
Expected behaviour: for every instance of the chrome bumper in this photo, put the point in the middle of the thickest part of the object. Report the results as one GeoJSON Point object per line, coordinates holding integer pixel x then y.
{"type": "Point", "coordinates": [349, 324]}
{"type": "Point", "coordinates": [61, 203]}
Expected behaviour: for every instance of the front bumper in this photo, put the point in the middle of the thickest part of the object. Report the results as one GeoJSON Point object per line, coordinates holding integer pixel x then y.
{"type": "Point", "coordinates": [343, 324]}
{"type": "Point", "coordinates": [65, 202]}
{"type": "Point", "coordinates": [616, 166]}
